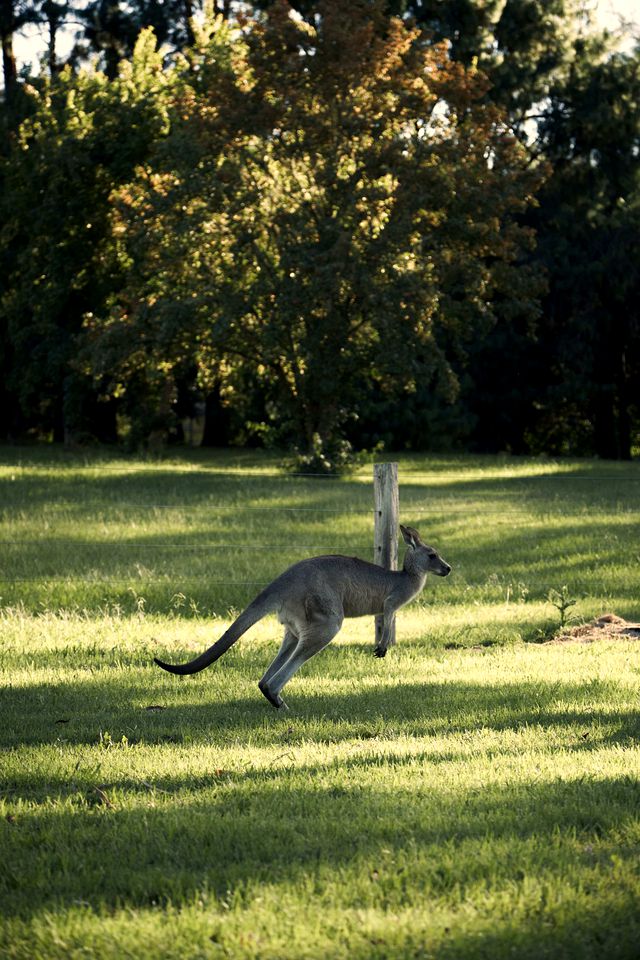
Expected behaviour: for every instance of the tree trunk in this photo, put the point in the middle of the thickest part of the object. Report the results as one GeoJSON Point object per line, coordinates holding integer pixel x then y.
{"type": "Point", "coordinates": [623, 411]}
{"type": "Point", "coordinates": [223, 7]}
{"type": "Point", "coordinates": [52, 59]}
{"type": "Point", "coordinates": [9, 69]}
{"type": "Point", "coordinates": [216, 421]}
{"type": "Point", "coordinates": [105, 425]}
{"type": "Point", "coordinates": [612, 421]}
{"type": "Point", "coordinates": [612, 413]}
{"type": "Point", "coordinates": [188, 14]}
{"type": "Point", "coordinates": [111, 62]}
{"type": "Point", "coordinates": [60, 428]}
{"type": "Point", "coordinates": [603, 424]}
{"type": "Point", "coordinates": [12, 424]}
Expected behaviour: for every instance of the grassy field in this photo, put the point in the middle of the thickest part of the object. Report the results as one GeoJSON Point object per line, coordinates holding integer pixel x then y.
{"type": "Point", "coordinates": [474, 795]}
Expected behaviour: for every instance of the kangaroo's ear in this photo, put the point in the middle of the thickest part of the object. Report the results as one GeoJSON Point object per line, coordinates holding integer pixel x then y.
{"type": "Point", "coordinates": [411, 536]}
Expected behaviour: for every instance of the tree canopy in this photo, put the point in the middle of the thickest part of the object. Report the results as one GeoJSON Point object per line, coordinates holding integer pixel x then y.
{"type": "Point", "coordinates": [329, 226]}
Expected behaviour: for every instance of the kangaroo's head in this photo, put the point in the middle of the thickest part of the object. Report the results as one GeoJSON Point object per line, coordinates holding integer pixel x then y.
{"type": "Point", "coordinates": [421, 558]}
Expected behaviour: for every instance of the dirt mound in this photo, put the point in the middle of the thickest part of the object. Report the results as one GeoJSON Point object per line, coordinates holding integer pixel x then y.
{"type": "Point", "coordinates": [607, 627]}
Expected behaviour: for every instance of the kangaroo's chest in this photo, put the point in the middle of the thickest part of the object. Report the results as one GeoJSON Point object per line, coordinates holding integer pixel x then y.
{"type": "Point", "coordinates": [362, 604]}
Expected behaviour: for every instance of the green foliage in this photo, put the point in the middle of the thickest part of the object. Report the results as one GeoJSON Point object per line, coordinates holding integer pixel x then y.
{"type": "Point", "coordinates": [332, 209]}
{"type": "Point", "coordinates": [81, 138]}
{"type": "Point", "coordinates": [567, 387]}
{"type": "Point", "coordinates": [563, 601]}
{"type": "Point", "coordinates": [588, 235]}
{"type": "Point", "coordinates": [318, 231]}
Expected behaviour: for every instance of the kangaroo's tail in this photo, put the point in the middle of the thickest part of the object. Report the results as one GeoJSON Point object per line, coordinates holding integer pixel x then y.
{"type": "Point", "coordinates": [256, 610]}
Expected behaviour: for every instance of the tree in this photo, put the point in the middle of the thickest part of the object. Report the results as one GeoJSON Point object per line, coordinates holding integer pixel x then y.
{"type": "Point", "coordinates": [14, 14]}
{"type": "Point", "coordinates": [568, 384]}
{"type": "Point", "coordinates": [111, 27]}
{"type": "Point", "coordinates": [82, 138]}
{"type": "Point", "coordinates": [522, 46]}
{"type": "Point", "coordinates": [333, 209]}
{"type": "Point", "coordinates": [588, 229]}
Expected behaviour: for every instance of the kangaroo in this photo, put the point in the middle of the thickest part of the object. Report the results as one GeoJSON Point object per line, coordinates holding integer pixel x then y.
{"type": "Point", "coordinates": [312, 598]}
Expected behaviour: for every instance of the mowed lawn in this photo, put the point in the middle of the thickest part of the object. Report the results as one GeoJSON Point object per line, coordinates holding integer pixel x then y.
{"type": "Point", "coordinates": [475, 794]}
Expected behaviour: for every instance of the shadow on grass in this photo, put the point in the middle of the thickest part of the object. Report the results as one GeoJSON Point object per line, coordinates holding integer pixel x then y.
{"type": "Point", "coordinates": [139, 487]}
{"type": "Point", "coordinates": [75, 711]}
{"type": "Point", "coordinates": [384, 843]}
{"type": "Point", "coordinates": [354, 823]}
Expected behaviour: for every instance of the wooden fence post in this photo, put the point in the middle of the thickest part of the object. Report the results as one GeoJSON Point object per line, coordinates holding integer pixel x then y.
{"type": "Point", "coordinates": [385, 537]}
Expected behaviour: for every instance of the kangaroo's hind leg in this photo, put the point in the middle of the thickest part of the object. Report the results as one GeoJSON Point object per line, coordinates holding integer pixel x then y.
{"type": "Point", "coordinates": [288, 645]}
{"type": "Point", "coordinates": [315, 636]}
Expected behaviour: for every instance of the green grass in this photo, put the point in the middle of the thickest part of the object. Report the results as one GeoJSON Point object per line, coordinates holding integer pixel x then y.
{"type": "Point", "coordinates": [473, 795]}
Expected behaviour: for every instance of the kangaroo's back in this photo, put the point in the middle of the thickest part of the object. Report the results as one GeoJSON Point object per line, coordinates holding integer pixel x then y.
{"type": "Point", "coordinates": [351, 586]}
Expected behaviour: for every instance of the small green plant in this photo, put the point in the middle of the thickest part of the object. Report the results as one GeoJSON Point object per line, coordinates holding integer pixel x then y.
{"type": "Point", "coordinates": [139, 602]}
{"type": "Point", "coordinates": [107, 742]}
{"type": "Point", "coordinates": [178, 601]}
{"type": "Point", "coordinates": [111, 608]}
{"type": "Point", "coordinates": [517, 592]}
{"type": "Point", "coordinates": [562, 601]}
{"type": "Point", "coordinates": [327, 458]}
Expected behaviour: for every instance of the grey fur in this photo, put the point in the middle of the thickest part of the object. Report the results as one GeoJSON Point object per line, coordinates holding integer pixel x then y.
{"type": "Point", "coordinates": [312, 598]}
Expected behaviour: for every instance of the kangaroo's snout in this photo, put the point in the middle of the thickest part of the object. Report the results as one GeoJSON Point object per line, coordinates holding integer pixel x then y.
{"type": "Point", "coordinates": [445, 570]}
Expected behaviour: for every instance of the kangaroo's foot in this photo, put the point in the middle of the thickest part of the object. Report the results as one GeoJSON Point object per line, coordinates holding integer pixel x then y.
{"type": "Point", "coordinates": [380, 652]}
{"type": "Point", "coordinates": [276, 700]}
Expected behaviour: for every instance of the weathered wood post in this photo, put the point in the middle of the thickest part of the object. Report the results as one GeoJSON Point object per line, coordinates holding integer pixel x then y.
{"type": "Point", "coordinates": [385, 536]}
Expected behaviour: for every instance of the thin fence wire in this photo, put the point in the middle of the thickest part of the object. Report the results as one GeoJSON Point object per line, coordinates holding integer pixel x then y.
{"type": "Point", "coordinates": [450, 510]}
{"type": "Point", "coordinates": [176, 546]}
{"type": "Point", "coordinates": [138, 580]}
{"type": "Point", "coordinates": [443, 509]}
{"type": "Point", "coordinates": [244, 473]}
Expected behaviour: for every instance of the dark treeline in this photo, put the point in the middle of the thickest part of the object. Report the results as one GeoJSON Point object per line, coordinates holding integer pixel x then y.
{"type": "Point", "coordinates": [322, 227]}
